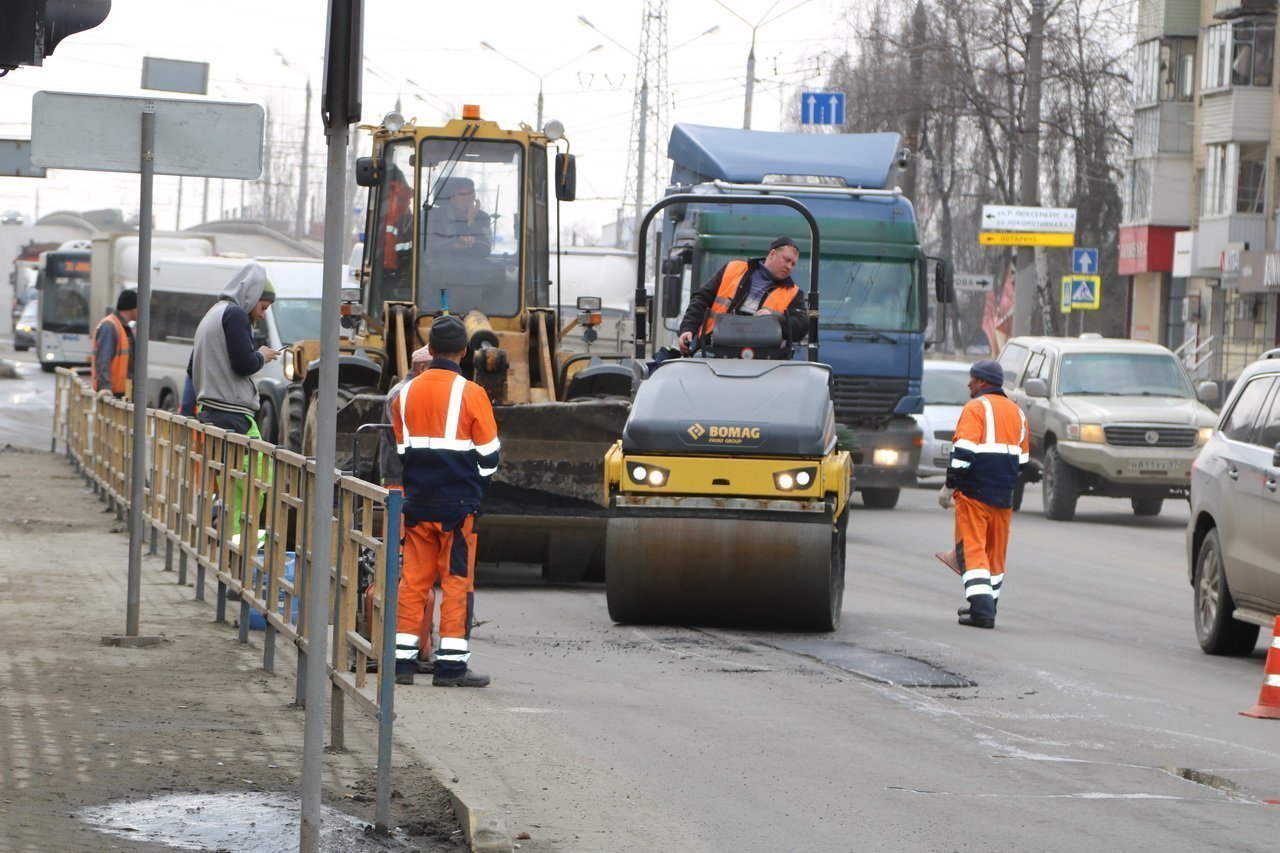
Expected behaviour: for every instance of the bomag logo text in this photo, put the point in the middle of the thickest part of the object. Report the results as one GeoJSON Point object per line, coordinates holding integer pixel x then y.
{"type": "Point", "coordinates": [735, 432]}
{"type": "Point", "coordinates": [696, 431]}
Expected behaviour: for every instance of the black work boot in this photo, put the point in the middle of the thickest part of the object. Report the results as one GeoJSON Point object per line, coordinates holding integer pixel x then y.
{"type": "Point", "coordinates": [979, 613]}
{"type": "Point", "coordinates": [405, 670]}
{"type": "Point", "coordinates": [466, 678]}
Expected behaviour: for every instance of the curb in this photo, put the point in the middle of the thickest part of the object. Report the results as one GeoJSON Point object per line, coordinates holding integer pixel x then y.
{"type": "Point", "coordinates": [483, 826]}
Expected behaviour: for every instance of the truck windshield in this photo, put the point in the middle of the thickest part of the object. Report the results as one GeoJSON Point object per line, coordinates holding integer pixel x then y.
{"type": "Point", "coordinates": [1122, 374]}
{"type": "Point", "coordinates": [858, 293]}
{"type": "Point", "coordinates": [469, 226]}
{"type": "Point", "coordinates": [297, 319]}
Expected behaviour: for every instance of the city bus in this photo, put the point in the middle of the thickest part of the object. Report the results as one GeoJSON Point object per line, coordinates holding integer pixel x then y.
{"type": "Point", "coordinates": [65, 333]}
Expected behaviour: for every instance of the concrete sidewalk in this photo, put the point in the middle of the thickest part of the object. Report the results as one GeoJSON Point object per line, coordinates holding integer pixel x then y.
{"type": "Point", "coordinates": [84, 724]}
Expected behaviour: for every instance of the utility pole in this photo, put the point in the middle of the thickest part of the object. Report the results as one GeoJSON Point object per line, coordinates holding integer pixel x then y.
{"type": "Point", "coordinates": [915, 110]}
{"type": "Point", "coordinates": [300, 220]}
{"type": "Point", "coordinates": [751, 82]}
{"type": "Point", "coordinates": [640, 142]}
{"type": "Point", "coordinates": [1026, 284]}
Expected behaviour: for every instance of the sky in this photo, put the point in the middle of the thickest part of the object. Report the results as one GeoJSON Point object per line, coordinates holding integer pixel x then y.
{"type": "Point", "coordinates": [429, 55]}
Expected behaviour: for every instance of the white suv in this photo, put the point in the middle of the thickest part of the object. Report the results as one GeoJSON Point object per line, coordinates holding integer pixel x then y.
{"type": "Point", "coordinates": [1108, 417]}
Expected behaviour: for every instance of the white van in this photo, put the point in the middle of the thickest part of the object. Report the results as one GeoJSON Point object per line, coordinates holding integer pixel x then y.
{"type": "Point", "coordinates": [183, 290]}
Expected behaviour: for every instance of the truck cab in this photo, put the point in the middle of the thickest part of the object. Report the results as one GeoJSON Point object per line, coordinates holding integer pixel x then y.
{"type": "Point", "coordinates": [875, 295]}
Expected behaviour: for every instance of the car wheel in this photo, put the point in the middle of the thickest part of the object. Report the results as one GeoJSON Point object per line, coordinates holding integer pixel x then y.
{"type": "Point", "coordinates": [880, 498]}
{"type": "Point", "coordinates": [1146, 506]}
{"type": "Point", "coordinates": [1058, 486]}
{"type": "Point", "coordinates": [1218, 632]}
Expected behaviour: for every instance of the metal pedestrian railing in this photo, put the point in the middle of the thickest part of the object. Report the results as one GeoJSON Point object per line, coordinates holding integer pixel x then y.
{"type": "Point", "coordinates": [240, 510]}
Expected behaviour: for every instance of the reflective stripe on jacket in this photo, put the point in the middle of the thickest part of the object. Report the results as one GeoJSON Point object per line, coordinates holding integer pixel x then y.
{"type": "Point", "coordinates": [119, 367]}
{"type": "Point", "coordinates": [448, 438]}
{"type": "Point", "coordinates": [777, 299]}
{"type": "Point", "coordinates": [989, 447]}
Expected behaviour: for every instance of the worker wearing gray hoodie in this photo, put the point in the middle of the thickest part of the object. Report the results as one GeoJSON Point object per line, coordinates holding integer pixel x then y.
{"type": "Point", "coordinates": [223, 358]}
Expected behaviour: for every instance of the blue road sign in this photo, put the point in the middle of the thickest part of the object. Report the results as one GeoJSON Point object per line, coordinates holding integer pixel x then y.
{"type": "Point", "coordinates": [1084, 261]}
{"type": "Point", "coordinates": [822, 108]}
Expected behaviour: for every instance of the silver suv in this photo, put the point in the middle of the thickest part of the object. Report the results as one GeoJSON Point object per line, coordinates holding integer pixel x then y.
{"type": "Point", "coordinates": [1233, 537]}
{"type": "Point", "coordinates": [1109, 417]}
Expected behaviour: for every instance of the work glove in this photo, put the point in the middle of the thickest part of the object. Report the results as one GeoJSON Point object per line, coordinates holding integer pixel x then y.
{"type": "Point", "coordinates": [944, 497]}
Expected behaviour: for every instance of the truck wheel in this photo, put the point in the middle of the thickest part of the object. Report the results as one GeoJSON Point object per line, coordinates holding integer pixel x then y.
{"type": "Point", "coordinates": [292, 418]}
{"type": "Point", "coordinates": [1059, 487]}
{"type": "Point", "coordinates": [1146, 506]}
{"type": "Point", "coordinates": [880, 498]}
{"type": "Point", "coordinates": [1218, 632]}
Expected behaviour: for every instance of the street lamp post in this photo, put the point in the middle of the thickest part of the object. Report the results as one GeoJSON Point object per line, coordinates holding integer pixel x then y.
{"type": "Point", "coordinates": [751, 54]}
{"type": "Point", "coordinates": [300, 218]}
{"type": "Point", "coordinates": [540, 77]}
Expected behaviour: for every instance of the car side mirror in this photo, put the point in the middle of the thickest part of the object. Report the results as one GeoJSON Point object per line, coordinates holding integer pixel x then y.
{"type": "Point", "coordinates": [1207, 392]}
{"type": "Point", "coordinates": [1036, 388]}
{"type": "Point", "coordinates": [369, 171]}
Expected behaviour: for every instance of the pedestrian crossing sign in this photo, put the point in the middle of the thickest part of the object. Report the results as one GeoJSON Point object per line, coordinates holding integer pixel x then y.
{"type": "Point", "coordinates": [1081, 293]}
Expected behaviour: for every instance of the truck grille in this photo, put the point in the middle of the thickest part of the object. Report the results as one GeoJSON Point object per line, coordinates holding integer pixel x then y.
{"type": "Point", "coordinates": [856, 397]}
{"type": "Point", "coordinates": [1155, 435]}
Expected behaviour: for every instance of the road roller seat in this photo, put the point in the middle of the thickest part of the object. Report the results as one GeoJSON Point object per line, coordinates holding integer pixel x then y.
{"type": "Point", "coordinates": [733, 407]}
{"type": "Point", "coordinates": [743, 336]}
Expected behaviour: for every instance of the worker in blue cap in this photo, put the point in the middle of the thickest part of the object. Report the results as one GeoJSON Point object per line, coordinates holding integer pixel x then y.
{"type": "Point", "coordinates": [987, 452]}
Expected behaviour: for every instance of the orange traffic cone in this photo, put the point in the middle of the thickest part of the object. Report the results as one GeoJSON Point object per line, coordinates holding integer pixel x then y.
{"type": "Point", "coordinates": [1268, 707]}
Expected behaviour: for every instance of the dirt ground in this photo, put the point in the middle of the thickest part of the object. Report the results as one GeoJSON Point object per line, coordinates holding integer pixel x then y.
{"type": "Point", "coordinates": [83, 724]}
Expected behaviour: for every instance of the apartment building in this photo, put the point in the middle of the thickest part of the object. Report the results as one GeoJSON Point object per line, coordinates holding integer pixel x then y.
{"type": "Point", "coordinates": [1200, 239]}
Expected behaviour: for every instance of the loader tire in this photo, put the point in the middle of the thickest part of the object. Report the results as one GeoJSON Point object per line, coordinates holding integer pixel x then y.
{"type": "Point", "coordinates": [293, 418]}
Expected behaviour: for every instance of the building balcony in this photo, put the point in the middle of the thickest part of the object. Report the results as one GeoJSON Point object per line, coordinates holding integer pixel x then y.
{"type": "Point", "coordinates": [1225, 10]}
{"type": "Point", "coordinates": [1157, 190]}
{"type": "Point", "coordinates": [1214, 233]}
{"type": "Point", "coordinates": [1157, 18]}
{"type": "Point", "coordinates": [1167, 128]}
{"type": "Point", "coordinates": [1236, 114]}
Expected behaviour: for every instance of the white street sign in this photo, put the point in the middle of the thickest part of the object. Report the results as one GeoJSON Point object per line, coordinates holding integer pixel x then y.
{"type": "Point", "coordinates": [102, 133]}
{"type": "Point", "coordinates": [972, 281]}
{"type": "Point", "coordinates": [1001, 217]}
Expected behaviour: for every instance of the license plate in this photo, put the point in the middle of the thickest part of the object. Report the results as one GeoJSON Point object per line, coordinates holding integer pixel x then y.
{"type": "Point", "coordinates": [1154, 466]}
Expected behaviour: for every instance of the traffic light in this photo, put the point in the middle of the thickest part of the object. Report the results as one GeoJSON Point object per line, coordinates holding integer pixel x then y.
{"type": "Point", "coordinates": [35, 27]}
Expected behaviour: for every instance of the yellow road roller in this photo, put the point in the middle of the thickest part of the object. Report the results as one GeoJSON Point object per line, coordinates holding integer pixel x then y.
{"type": "Point", "coordinates": [728, 495]}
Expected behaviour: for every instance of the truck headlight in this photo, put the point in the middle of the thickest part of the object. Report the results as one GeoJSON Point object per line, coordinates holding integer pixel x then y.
{"type": "Point", "coordinates": [885, 456]}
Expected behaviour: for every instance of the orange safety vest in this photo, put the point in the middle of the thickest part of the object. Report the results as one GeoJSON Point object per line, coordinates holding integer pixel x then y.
{"type": "Point", "coordinates": [777, 300]}
{"type": "Point", "coordinates": [119, 362]}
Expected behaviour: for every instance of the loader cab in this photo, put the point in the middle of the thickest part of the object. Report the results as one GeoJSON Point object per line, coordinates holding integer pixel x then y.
{"type": "Point", "coordinates": [458, 220]}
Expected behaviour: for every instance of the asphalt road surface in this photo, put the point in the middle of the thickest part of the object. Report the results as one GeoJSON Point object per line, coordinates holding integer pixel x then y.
{"type": "Point", "coordinates": [1093, 720]}
{"type": "Point", "coordinates": [1088, 719]}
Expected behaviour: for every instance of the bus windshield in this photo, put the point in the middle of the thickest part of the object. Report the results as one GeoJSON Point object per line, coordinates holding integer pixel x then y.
{"type": "Point", "coordinates": [64, 295]}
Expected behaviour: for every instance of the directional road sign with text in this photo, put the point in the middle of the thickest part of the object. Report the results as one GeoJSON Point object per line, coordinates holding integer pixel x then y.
{"type": "Point", "coordinates": [1003, 217]}
{"type": "Point", "coordinates": [1025, 238]}
{"type": "Point", "coordinates": [822, 108]}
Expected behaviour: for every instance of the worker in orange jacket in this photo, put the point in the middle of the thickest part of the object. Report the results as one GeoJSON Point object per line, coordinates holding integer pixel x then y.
{"type": "Point", "coordinates": [755, 287]}
{"type": "Point", "coordinates": [448, 440]}
{"type": "Point", "coordinates": [111, 362]}
{"type": "Point", "coordinates": [987, 453]}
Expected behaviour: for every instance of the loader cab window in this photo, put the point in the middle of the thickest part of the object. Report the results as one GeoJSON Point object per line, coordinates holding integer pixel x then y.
{"type": "Point", "coordinates": [392, 234]}
{"type": "Point", "coordinates": [470, 226]}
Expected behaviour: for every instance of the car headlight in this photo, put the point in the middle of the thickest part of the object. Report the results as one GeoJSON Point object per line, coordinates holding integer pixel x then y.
{"type": "Point", "coordinates": [794, 478]}
{"type": "Point", "coordinates": [647, 475]}
{"type": "Point", "coordinates": [1204, 435]}
{"type": "Point", "coordinates": [1092, 433]}
{"type": "Point", "coordinates": [885, 456]}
